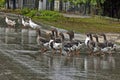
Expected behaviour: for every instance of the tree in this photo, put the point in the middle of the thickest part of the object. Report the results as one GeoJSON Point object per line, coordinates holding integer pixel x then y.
{"type": "Point", "coordinates": [14, 4]}
{"type": "Point", "coordinates": [61, 5]}
{"type": "Point", "coordinates": [2, 3]}
{"type": "Point", "coordinates": [7, 2]}
{"type": "Point", "coordinates": [36, 4]}
{"type": "Point", "coordinates": [51, 4]}
{"type": "Point", "coordinates": [65, 1]}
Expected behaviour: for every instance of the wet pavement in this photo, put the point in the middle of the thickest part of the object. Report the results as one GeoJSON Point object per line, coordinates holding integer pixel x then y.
{"type": "Point", "coordinates": [21, 59]}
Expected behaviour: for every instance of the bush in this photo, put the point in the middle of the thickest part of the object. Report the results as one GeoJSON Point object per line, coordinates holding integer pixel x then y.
{"type": "Point", "coordinates": [52, 14]}
{"type": "Point", "coordinates": [49, 15]}
{"type": "Point", "coordinates": [2, 3]}
{"type": "Point", "coordinates": [43, 14]}
{"type": "Point", "coordinates": [25, 11]}
{"type": "Point", "coordinates": [32, 13]}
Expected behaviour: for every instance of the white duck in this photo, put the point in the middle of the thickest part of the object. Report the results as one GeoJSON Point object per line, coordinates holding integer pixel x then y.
{"type": "Point", "coordinates": [33, 25]}
{"type": "Point", "coordinates": [25, 23]}
{"type": "Point", "coordinates": [10, 22]}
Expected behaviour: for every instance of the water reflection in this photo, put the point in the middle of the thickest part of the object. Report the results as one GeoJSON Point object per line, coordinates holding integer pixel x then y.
{"type": "Point", "coordinates": [18, 36]}
{"type": "Point", "coordinates": [24, 36]}
{"type": "Point", "coordinates": [70, 68]}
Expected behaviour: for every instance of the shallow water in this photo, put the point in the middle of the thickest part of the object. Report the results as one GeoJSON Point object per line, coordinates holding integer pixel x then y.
{"type": "Point", "coordinates": [20, 45]}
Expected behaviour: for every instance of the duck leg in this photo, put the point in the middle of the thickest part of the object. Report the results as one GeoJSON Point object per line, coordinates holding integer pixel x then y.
{"type": "Point", "coordinates": [77, 52]}
{"type": "Point", "coordinates": [53, 51]}
{"type": "Point", "coordinates": [43, 50]}
{"type": "Point", "coordinates": [60, 51]}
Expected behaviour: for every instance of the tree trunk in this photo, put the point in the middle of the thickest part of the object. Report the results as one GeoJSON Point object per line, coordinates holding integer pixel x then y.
{"type": "Point", "coordinates": [52, 5]}
{"type": "Point", "coordinates": [14, 4]}
{"type": "Point", "coordinates": [61, 6]}
{"type": "Point", "coordinates": [37, 4]}
{"type": "Point", "coordinates": [89, 8]}
{"type": "Point", "coordinates": [7, 2]}
{"type": "Point", "coordinates": [65, 6]}
{"type": "Point", "coordinates": [85, 9]}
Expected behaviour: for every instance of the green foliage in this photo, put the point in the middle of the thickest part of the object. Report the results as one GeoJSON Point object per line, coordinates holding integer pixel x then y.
{"type": "Point", "coordinates": [94, 2]}
{"type": "Point", "coordinates": [53, 14]}
{"type": "Point", "coordinates": [32, 13]}
{"type": "Point", "coordinates": [102, 1]}
{"type": "Point", "coordinates": [2, 3]}
{"type": "Point", "coordinates": [25, 11]}
{"type": "Point", "coordinates": [49, 15]}
{"type": "Point", "coordinates": [43, 14]}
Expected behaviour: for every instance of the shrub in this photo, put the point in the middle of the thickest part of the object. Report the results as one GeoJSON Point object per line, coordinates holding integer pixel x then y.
{"type": "Point", "coordinates": [25, 11]}
{"type": "Point", "coordinates": [49, 15]}
{"type": "Point", "coordinates": [2, 3]}
{"type": "Point", "coordinates": [32, 13]}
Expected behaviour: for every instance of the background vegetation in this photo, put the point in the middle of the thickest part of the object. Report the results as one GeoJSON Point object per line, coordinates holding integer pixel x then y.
{"type": "Point", "coordinates": [96, 23]}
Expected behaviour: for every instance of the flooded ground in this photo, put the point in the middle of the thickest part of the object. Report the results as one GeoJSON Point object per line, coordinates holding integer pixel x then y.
{"type": "Point", "coordinates": [21, 59]}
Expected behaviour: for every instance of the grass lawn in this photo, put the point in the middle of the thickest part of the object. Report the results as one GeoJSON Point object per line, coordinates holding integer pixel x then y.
{"type": "Point", "coordinates": [82, 25]}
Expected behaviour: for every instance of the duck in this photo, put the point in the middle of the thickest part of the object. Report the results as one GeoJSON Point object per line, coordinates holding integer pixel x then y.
{"type": "Point", "coordinates": [89, 42]}
{"type": "Point", "coordinates": [67, 46]}
{"type": "Point", "coordinates": [108, 43]}
{"type": "Point", "coordinates": [61, 35]}
{"type": "Point", "coordinates": [54, 32]}
{"type": "Point", "coordinates": [87, 39]}
{"type": "Point", "coordinates": [73, 46]}
{"type": "Point", "coordinates": [19, 20]}
{"type": "Point", "coordinates": [33, 25]}
{"type": "Point", "coordinates": [42, 41]}
{"type": "Point", "coordinates": [25, 23]}
{"type": "Point", "coordinates": [71, 35]}
{"type": "Point", "coordinates": [10, 22]}
{"type": "Point", "coordinates": [55, 45]}
{"type": "Point", "coordinates": [102, 47]}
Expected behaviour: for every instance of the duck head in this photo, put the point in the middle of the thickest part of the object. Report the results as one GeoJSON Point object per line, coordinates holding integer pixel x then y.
{"type": "Point", "coordinates": [54, 32]}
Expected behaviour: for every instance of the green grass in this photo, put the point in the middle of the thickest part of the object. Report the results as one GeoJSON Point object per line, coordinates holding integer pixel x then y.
{"type": "Point", "coordinates": [93, 24]}
{"type": "Point", "coordinates": [83, 25]}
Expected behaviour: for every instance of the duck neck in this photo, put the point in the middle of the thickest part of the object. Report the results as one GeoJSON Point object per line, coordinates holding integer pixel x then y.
{"type": "Point", "coordinates": [71, 37]}
{"type": "Point", "coordinates": [39, 32]}
{"type": "Point", "coordinates": [63, 37]}
{"type": "Point", "coordinates": [22, 20]}
{"type": "Point", "coordinates": [53, 34]}
{"type": "Point", "coordinates": [56, 33]}
{"type": "Point", "coordinates": [6, 18]}
{"type": "Point", "coordinates": [97, 39]}
{"type": "Point", "coordinates": [91, 38]}
{"type": "Point", "coordinates": [104, 36]}
{"type": "Point", "coordinates": [51, 43]}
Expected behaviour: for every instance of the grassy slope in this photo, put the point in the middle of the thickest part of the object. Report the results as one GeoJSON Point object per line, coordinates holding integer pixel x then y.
{"type": "Point", "coordinates": [83, 25]}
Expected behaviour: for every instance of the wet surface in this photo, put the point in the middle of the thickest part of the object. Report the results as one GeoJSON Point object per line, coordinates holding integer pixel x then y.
{"type": "Point", "coordinates": [21, 59]}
